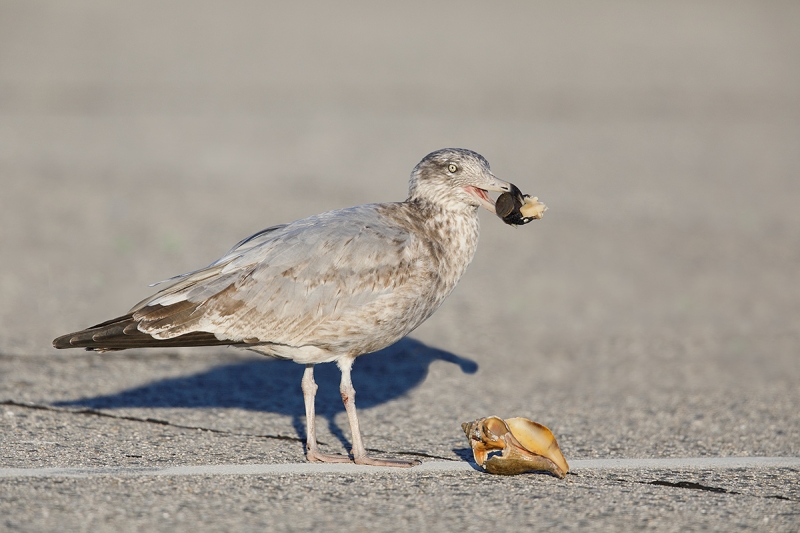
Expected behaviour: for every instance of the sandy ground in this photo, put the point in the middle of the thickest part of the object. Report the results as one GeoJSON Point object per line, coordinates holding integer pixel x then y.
{"type": "Point", "coordinates": [653, 312]}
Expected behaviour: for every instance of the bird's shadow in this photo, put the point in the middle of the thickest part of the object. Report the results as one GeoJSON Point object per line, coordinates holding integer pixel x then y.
{"type": "Point", "coordinates": [273, 386]}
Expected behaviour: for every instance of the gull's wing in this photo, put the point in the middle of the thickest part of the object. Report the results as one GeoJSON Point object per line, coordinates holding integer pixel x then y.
{"type": "Point", "coordinates": [304, 283]}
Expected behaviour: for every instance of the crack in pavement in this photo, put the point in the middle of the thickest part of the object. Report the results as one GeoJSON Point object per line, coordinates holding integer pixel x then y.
{"type": "Point", "coordinates": [148, 420]}
{"type": "Point", "coordinates": [691, 485]}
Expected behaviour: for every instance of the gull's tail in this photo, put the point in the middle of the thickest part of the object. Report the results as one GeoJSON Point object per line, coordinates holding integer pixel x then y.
{"type": "Point", "coordinates": [122, 333]}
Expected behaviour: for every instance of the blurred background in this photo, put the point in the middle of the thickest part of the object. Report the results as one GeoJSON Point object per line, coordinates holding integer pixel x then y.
{"type": "Point", "coordinates": [139, 140]}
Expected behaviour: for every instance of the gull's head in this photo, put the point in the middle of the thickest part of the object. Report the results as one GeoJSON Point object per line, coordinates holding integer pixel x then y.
{"type": "Point", "coordinates": [455, 179]}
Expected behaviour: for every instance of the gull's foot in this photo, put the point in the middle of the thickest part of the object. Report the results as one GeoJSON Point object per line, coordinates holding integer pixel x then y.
{"type": "Point", "coordinates": [317, 457]}
{"type": "Point", "coordinates": [398, 463]}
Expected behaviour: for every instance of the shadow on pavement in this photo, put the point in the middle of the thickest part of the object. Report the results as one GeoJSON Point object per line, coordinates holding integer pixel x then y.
{"type": "Point", "coordinates": [270, 385]}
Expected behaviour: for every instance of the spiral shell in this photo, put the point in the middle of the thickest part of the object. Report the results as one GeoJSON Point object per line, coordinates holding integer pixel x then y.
{"type": "Point", "coordinates": [514, 446]}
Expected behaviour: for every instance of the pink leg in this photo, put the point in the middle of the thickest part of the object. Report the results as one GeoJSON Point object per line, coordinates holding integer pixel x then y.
{"type": "Point", "coordinates": [349, 398]}
{"type": "Point", "coordinates": [312, 451]}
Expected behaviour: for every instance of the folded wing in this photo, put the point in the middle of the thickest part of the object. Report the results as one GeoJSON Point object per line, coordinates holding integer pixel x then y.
{"type": "Point", "coordinates": [313, 282]}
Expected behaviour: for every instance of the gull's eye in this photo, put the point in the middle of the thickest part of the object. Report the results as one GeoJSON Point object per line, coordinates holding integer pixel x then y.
{"type": "Point", "coordinates": [452, 167]}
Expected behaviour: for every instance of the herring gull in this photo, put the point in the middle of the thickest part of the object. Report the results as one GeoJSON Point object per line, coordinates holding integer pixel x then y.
{"type": "Point", "coordinates": [326, 288]}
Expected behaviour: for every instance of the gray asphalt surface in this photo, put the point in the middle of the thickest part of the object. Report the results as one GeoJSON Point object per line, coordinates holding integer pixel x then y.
{"type": "Point", "coordinates": [653, 313]}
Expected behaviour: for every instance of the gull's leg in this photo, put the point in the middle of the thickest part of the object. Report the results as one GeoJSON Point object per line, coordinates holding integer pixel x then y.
{"type": "Point", "coordinates": [312, 452]}
{"type": "Point", "coordinates": [349, 398]}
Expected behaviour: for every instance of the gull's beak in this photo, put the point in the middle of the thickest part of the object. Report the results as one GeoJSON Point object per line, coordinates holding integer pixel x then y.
{"type": "Point", "coordinates": [498, 185]}
{"type": "Point", "coordinates": [491, 184]}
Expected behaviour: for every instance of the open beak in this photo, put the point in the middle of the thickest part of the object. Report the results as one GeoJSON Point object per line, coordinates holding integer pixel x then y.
{"type": "Point", "coordinates": [482, 195]}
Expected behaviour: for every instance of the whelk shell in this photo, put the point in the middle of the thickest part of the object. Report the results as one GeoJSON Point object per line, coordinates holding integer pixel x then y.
{"type": "Point", "coordinates": [514, 446]}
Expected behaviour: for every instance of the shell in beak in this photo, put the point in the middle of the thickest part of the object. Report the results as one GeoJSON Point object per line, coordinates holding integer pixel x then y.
{"type": "Point", "coordinates": [516, 209]}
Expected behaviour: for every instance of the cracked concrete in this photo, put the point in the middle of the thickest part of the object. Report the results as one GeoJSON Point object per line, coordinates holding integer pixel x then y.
{"type": "Point", "coordinates": [653, 314]}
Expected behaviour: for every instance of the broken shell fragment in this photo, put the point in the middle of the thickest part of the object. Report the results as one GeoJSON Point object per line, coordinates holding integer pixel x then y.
{"type": "Point", "coordinates": [514, 446]}
{"type": "Point", "coordinates": [533, 208]}
{"type": "Point", "coordinates": [516, 209]}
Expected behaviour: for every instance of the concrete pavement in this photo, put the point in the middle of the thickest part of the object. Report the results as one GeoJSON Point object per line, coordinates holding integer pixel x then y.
{"type": "Point", "coordinates": [652, 315]}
